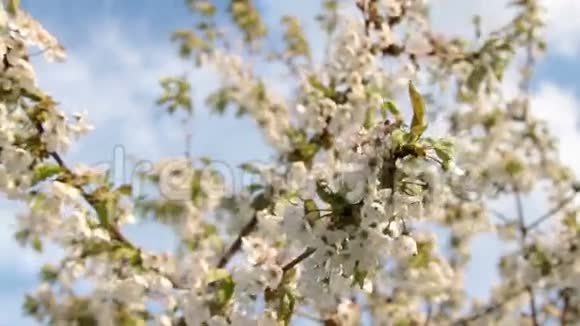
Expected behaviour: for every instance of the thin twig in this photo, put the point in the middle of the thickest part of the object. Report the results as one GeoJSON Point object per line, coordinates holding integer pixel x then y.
{"type": "Point", "coordinates": [59, 160]}
{"type": "Point", "coordinates": [498, 305]}
{"type": "Point", "coordinates": [237, 244]}
{"type": "Point", "coordinates": [533, 309]}
{"type": "Point", "coordinates": [524, 233]}
{"type": "Point", "coordinates": [520, 213]}
{"type": "Point", "coordinates": [488, 310]}
{"type": "Point", "coordinates": [111, 228]}
{"type": "Point", "coordinates": [501, 216]}
{"type": "Point", "coordinates": [551, 212]}
{"type": "Point", "coordinates": [565, 307]}
{"type": "Point", "coordinates": [307, 253]}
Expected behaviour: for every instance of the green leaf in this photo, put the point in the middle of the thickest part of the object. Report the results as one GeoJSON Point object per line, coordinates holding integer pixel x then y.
{"type": "Point", "coordinates": [254, 187]}
{"type": "Point", "coordinates": [498, 66]}
{"type": "Point", "coordinates": [390, 107]}
{"type": "Point", "coordinates": [37, 244]}
{"type": "Point", "coordinates": [444, 150]}
{"type": "Point", "coordinates": [326, 91]}
{"type": "Point", "coordinates": [369, 118]}
{"type": "Point", "coordinates": [423, 257]}
{"type": "Point", "coordinates": [286, 308]}
{"type": "Point", "coordinates": [225, 287]}
{"type": "Point", "coordinates": [217, 274]}
{"type": "Point", "coordinates": [219, 100]}
{"type": "Point", "coordinates": [127, 254]}
{"type": "Point", "coordinates": [13, 7]}
{"type": "Point", "coordinates": [133, 321]}
{"type": "Point", "coordinates": [330, 4]}
{"type": "Point", "coordinates": [514, 167]}
{"type": "Point", "coordinates": [324, 192]}
{"type": "Point", "coordinates": [304, 149]}
{"type": "Point", "coordinates": [403, 322]}
{"type": "Point", "coordinates": [311, 211]}
{"type": "Point", "coordinates": [31, 305]}
{"type": "Point", "coordinates": [125, 189]}
{"type": "Point", "coordinates": [48, 273]}
{"type": "Point", "coordinates": [102, 209]}
{"type": "Point", "coordinates": [359, 276]}
{"type": "Point", "coordinates": [45, 171]}
{"type": "Point", "coordinates": [206, 8]}
{"type": "Point", "coordinates": [476, 77]}
{"type": "Point", "coordinates": [308, 151]}
{"type": "Point", "coordinates": [296, 136]}
{"type": "Point", "coordinates": [541, 261]}
{"type": "Point", "coordinates": [176, 94]}
{"type": "Point", "coordinates": [197, 192]}
{"type": "Point", "coordinates": [571, 221]}
{"type": "Point", "coordinates": [418, 124]}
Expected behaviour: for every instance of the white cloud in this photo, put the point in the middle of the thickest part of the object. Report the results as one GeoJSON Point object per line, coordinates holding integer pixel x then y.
{"type": "Point", "coordinates": [559, 107]}
{"type": "Point", "coordinates": [563, 25]}
{"type": "Point", "coordinates": [114, 76]}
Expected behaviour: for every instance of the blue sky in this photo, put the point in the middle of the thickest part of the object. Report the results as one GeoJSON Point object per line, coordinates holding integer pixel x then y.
{"type": "Point", "coordinates": [119, 49]}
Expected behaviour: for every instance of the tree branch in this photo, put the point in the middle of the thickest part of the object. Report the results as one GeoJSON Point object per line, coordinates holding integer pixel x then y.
{"type": "Point", "coordinates": [533, 309]}
{"type": "Point", "coordinates": [551, 212]}
{"type": "Point", "coordinates": [501, 216]}
{"type": "Point", "coordinates": [111, 228]}
{"type": "Point", "coordinates": [307, 253]}
{"type": "Point", "coordinates": [488, 310]}
{"type": "Point", "coordinates": [524, 233]}
{"type": "Point", "coordinates": [237, 244]}
{"type": "Point", "coordinates": [520, 213]}
{"type": "Point", "coordinates": [565, 308]}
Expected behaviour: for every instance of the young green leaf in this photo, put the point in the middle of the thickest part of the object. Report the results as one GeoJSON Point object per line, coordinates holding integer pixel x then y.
{"type": "Point", "coordinates": [45, 171]}
{"type": "Point", "coordinates": [12, 7]}
{"type": "Point", "coordinates": [311, 211]}
{"type": "Point", "coordinates": [418, 124]}
{"type": "Point", "coordinates": [390, 107]}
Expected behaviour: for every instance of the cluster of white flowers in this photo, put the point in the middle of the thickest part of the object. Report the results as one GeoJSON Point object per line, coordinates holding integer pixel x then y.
{"type": "Point", "coordinates": [340, 225]}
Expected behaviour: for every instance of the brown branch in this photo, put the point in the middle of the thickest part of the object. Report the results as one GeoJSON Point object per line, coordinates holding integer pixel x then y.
{"type": "Point", "coordinates": [111, 228]}
{"type": "Point", "coordinates": [501, 216]}
{"type": "Point", "coordinates": [533, 310]}
{"type": "Point", "coordinates": [59, 161]}
{"type": "Point", "coordinates": [488, 310]}
{"type": "Point", "coordinates": [524, 233]}
{"type": "Point", "coordinates": [520, 213]}
{"type": "Point", "coordinates": [551, 212]}
{"type": "Point", "coordinates": [307, 253]}
{"type": "Point", "coordinates": [237, 244]}
{"type": "Point", "coordinates": [566, 307]}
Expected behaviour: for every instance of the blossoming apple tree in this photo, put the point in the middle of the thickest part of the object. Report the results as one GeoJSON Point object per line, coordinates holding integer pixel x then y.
{"type": "Point", "coordinates": [340, 228]}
